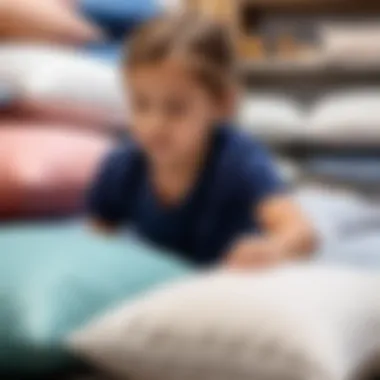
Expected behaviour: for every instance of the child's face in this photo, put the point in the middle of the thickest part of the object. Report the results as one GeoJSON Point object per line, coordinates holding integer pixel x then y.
{"type": "Point", "coordinates": [172, 112]}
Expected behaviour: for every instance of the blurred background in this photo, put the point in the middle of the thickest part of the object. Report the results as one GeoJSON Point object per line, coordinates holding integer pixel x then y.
{"type": "Point", "coordinates": [311, 76]}
{"type": "Point", "coordinates": [310, 70]}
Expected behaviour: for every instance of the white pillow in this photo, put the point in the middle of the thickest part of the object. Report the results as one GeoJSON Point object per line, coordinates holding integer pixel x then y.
{"type": "Point", "coordinates": [351, 43]}
{"type": "Point", "coordinates": [300, 322]}
{"type": "Point", "coordinates": [54, 75]}
{"type": "Point", "coordinates": [271, 118]}
{"type": "Point", "coordinates": [351, 117]}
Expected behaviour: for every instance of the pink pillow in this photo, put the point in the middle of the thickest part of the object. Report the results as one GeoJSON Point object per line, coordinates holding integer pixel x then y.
{"type": "Point", "coordinates": [46, 171]}
{"type": "Point", "coordinates": [54, 21]}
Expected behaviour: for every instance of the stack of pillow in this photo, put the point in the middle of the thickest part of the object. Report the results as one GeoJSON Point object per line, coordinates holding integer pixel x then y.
{"type": "Point", "coordinates": [342, 123]}
{"type": "Point", "coordinates": [58, 122]}
{"type": "Point", "coordinates": [61, 102]}
{"type": "Point", "coordinates": [303, 318]}
{"type": "Point", "coordinates": [347, 117]}
{"type": "Point", "coordinates": [54, 279]}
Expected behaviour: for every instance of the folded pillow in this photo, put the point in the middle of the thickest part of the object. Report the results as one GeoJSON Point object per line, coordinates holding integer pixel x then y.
{"type": "Point", "coordinates": [296, 322]}
{"type": "Point", "coordinates": [55, 278]}
{"type": "Point", "coordinates": [51, 21]}
{"type": "Point", "coordinates": [63, 85]}
{"type": "Point", "coordinates": [351, 43]}
{"type": "Point", "coordinates": [119, 17]}
{"type": "Point", "coordinates": [349, 117]}
{"type": "Point", "coordinates": [350, 171]}
{"type": "Point", "coordinates": [46, 171]}
{"type": "Point", "coordinates": [271, 118]}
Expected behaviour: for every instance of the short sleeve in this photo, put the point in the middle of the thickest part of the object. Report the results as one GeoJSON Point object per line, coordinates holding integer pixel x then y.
{"type": "Point", "coordinates": [109, 196]}
{"type": "Point", "coordinates": [262, 176]}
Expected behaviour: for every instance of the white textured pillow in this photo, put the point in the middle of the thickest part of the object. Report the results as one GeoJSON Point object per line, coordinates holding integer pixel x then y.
{"type": "Point", "coordinates": [62, 79]}
{"type": "Point", "coordinates": [351, 117]}
{"type": "Point", "coordinates": [291, 323]}
{"type": "Point", "coordinates": [271, 118]}
{"type": "Point", "coordinates": [351, 43]}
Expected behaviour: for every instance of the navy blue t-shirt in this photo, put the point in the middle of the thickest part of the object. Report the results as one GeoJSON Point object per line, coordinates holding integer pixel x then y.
{"type": "Point", "coordinates": [237, 176]}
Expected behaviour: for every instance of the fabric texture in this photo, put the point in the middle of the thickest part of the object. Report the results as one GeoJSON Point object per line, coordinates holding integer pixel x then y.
{"type": "Point", "coordinates": [56, 278]}
{"type": "Point", "coordinates": [119, 17]}
{"type": "Point", "coordinates": [354, 171]}
{"type": "Point", "coordinates": [338, 216]}
{"type": "Point", "coordinates": [63, 85]}
{"type": "Point", "coordinates": [46, 171]}
{"type": "Point", "coordinates": [237, 176]}
{"type": "Point", "coordinates": [347, 118]}
{"type": "Point", "coordinates": [272, 118]}
{"type": "Point", "coordinates": [296, 322]}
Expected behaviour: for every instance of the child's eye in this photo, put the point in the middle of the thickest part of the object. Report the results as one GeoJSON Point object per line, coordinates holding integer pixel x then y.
{"type": "Point", "coordinates": [176, 108]}
{"type": "Point", "coordinates": [141, 104]}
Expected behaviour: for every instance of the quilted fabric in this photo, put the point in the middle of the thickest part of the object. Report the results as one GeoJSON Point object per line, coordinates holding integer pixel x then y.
{"type": "Point", "coordinates": [54, 279]}
{"type": "Point", "coordinates": [300, 322]}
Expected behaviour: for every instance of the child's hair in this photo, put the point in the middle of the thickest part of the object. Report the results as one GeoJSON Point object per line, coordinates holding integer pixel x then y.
{"type": "Point", "coordinates": [205, 45]}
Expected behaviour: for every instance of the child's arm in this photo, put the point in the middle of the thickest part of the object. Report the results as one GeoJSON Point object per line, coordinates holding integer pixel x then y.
{"type": "Point", "coordinates": [285, 231]}
{"type": "Point", "coordinates": [287, 235]}
{"type": "Point", "coordinates": [107, 202]}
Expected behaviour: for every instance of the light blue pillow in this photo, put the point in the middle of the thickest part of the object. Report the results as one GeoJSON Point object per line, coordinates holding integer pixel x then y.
{"type": "Point", "coordinates": [109, 52]}
{"type": "Point", "coordinates": [119, 17]}
{"type": "Point", "coordinates": [361, 171]}
{"type": "Point", "coordinates": [53, 279]}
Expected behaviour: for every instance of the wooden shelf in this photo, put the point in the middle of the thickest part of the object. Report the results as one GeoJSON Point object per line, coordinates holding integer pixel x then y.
{"type": "Point", "coordinates": [307, 67]}
{"type": "Point", "coordinates": [318, 6]}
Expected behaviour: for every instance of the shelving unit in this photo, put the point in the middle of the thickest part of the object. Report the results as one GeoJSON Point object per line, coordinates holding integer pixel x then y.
{"type": "Point", "coordinates": [279, 40]}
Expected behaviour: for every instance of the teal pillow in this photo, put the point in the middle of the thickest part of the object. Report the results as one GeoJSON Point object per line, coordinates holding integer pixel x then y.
{"type": "Point", "coordinates": [54, 279]}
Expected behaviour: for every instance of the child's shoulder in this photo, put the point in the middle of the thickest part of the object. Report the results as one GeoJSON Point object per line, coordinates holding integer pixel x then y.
{"type": "Point", "coordinates": [241, 148]}
{"type": "Point", "coordinates": [246, 166]}
{"type": "Point", "coordinates": [121, 161]}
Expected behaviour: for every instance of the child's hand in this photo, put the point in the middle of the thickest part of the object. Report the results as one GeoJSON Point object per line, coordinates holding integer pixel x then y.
{"type": "Point", "coordinates": [253, 252]}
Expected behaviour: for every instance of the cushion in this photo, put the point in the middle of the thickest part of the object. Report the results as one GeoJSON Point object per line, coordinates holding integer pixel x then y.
{"type": "Point", "coordinates": [351, 44]}
{"type": "Point", "coordinates": [111, 52]}
{"type": "Point", "coordinates": [352, 171]}
{"type": "Point", "coordinates": [63, 85]}
{"type": "Point", "coordinates": [45, 20]}
{"type": "Point", "coordinates": [296, 322]}
{"type": "Point", "coordinates": [271, 118]}
{"type": "Point", "coordinates": [337, 214]}
{"type": "Point", "coordinates": [359, 247]}
{"type": "Point", "coordinates": [349, 117]}
{"type": "Point", "coordinates": [45, 171]}
{"type": "Point", "coordinates": [55, 278]}
{"type": "Point", "coordinates": [119, 17]}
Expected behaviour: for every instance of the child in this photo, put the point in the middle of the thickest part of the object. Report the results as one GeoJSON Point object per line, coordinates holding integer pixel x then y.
{"type": "Point", "coordinates": [189, 181]}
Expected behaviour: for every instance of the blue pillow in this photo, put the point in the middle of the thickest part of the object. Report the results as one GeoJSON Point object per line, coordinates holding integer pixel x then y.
{"type": "Point", "coordinates": [110, 52]}
{"type": "Point", "coordinates": [119, 17]}
{"type": "Point", "coordinates": [54, 279]}
{"type": "Point", "coordinates": [356, 171]}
